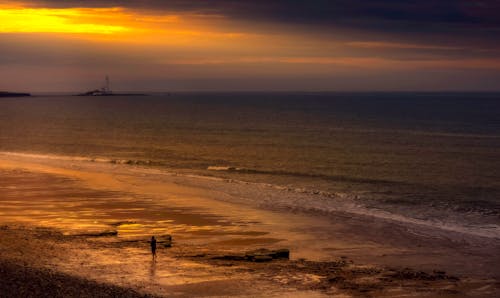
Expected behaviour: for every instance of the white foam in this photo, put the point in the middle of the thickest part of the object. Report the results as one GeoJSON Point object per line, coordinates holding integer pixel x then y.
{"type": "Point", "coordinates": [49, 156]}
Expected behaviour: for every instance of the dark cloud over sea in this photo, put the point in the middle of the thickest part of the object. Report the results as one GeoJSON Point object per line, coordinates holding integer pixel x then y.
{"type": "Point", "coordinates": [386, 44]}
{"type": "Point", "coordinates": [467, 21]}
{"type": "Point", "coordinates": [486, 12]}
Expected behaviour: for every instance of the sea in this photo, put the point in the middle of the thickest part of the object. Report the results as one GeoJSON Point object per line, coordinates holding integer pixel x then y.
{"type": "Point", "coordinates": [430, 158]}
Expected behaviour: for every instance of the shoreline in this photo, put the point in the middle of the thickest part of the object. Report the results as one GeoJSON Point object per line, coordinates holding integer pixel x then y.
{"type": "Point", "coordinates": [307, 201]}
{"type": "Point", "coordinates": [206, 220]}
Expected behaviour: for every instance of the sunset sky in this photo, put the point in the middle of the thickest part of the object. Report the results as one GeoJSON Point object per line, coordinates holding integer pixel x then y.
{"type": "Point", "coordinates": [317, 45]}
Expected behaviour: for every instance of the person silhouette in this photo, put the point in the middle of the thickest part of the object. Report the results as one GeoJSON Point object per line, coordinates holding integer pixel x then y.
{"type": "Point", "coordinates": [153, 247]}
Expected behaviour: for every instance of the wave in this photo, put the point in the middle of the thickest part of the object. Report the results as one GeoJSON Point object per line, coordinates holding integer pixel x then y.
{"type": "Point", "coordinates": [325, 203]}
{"type": "Point", "coordinates": [339, 178]}
{"type": "Point", "coordinates": [140, 162]}
{"type": "Point", "coordinates": [82, 158]}
{"type": "Point", "coordinates": [316, 201]}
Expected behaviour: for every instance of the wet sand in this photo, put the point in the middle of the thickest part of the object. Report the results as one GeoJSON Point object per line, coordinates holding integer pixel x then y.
{"type": "Point", "coordinates": [20, 281]}
{"type": "Point", "coordinates": [53, 210]}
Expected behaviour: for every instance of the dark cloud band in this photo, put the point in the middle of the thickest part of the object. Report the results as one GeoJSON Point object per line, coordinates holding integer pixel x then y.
{"type": "Point", "coordinates": [468, 21]}
{"type": "Point", "coordinates": [486, 12]}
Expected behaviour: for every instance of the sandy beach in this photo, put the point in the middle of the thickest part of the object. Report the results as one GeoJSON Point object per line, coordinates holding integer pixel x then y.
{"type": "Point", "coordinates": [81, 227]}
{"type": "Point", "coordinates": [250, 148]}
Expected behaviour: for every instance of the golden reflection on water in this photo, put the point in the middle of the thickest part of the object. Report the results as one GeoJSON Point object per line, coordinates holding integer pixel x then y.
{"type": "Point", "coordinates": [57, 202]}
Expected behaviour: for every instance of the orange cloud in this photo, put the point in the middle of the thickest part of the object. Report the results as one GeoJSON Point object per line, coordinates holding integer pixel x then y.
{"type": "Point", "coordinates": [114, 23]}
{"type": "Point", "coordinates": [44, 20]}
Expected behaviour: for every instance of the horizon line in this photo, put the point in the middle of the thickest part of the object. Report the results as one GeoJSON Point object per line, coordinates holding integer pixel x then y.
{"type": "Point", "coordinates": [262, 91]}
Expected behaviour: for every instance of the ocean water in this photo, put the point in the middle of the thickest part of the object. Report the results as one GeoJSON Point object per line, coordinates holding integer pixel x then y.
{"type": "Point", "coordinates": [431, 157]}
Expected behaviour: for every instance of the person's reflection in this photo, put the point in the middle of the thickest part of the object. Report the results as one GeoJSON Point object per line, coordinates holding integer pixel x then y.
{"type": "Point", "coordinates": [152, 269]}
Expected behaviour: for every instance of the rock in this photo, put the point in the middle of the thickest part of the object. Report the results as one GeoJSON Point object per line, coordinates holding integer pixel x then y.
{"type": "Point", "coordinates": [281, 254]}
{"type": "Point", "coordinates": [260, 259]}
{"type": "Point", "coordinates": [272, 254]}
{"type": "Point", "coordinates": [107, 233]}
{"type": "Point", "coordinates": [250, 256]}
{"type": "Point", "coordinates": [165, 240]}
{"type": "Point", "coordinates": [124, 222]}
{"type": "Point", "coordinates": [260, 251]}
{"type": "Point", "coordinates": [229, 258]}
{"type": "Point", "coordinates": [336, 279]}
{"type": "Point", "coordinates": [259, 255]}
{"type": "Point", "coordinates": [409, 274]}
{"type": "Point", "coordinates": [99, 234]}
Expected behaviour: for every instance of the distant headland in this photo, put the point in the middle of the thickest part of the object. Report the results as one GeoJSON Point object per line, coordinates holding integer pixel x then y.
{"type": "Point", "coordinates": [13, 94]}
{"type": "Point", "coordinates": [106, 91]}
{"type": "Point", "coordinates": [98, 92]}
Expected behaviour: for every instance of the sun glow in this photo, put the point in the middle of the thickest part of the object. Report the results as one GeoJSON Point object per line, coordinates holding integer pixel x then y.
{"type": "Point", "coordinates": [114, 23]}
{"type": "Point", "coordinates": [46, 20]}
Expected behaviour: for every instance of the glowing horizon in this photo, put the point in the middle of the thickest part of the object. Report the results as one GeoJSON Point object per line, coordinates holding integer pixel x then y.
{"type": "Point", "coordinates": [145, 43]}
